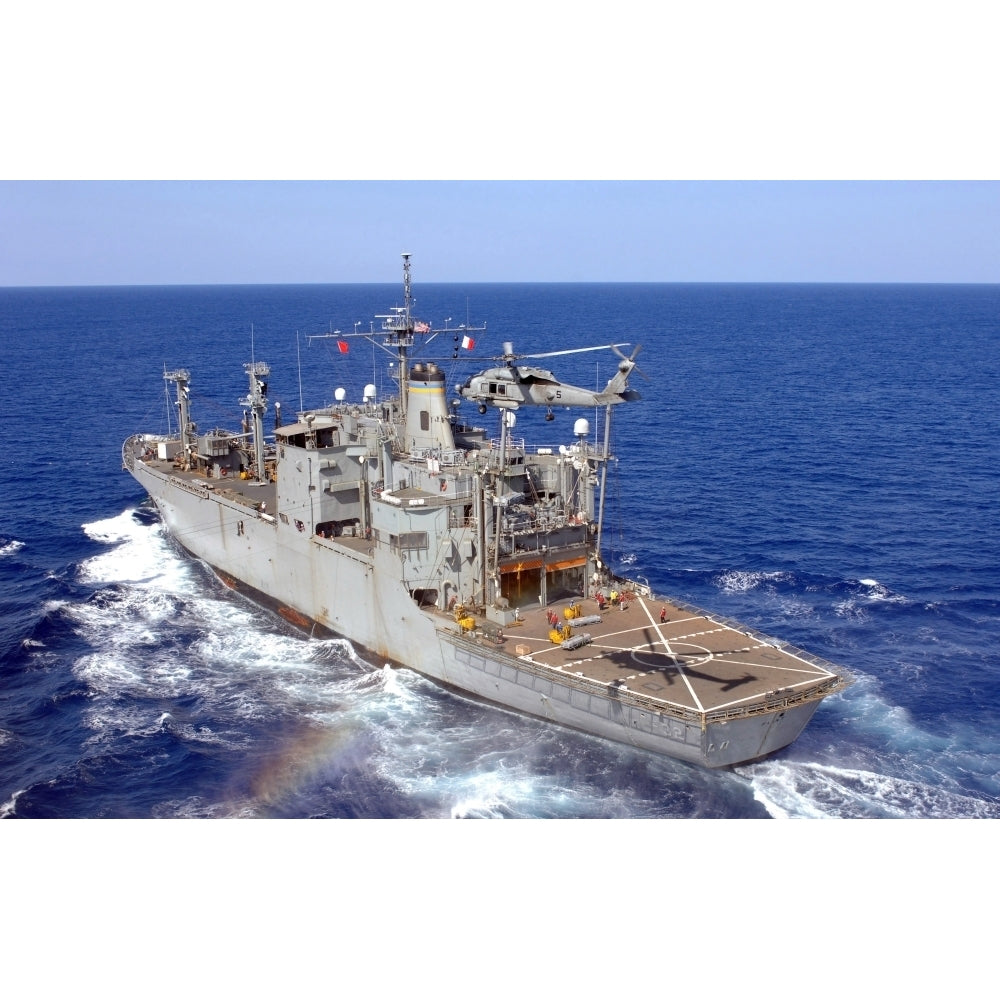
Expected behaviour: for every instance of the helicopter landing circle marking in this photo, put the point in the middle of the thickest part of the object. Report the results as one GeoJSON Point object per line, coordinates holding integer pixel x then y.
{"type": "Point", "coordinates": [682, 654]}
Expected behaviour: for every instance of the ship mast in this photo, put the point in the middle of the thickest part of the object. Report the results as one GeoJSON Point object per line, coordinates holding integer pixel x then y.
{"type": "Point", "coordinates": [256, 401]}
{"type": "Point", "coordinates": [507, 420]}
{"type": "Point", "coordinates": [399, 328]}
{"type": "Point", "coordinates": [604, 477]}
{"type": "Point", "coordinates": [182, 378]}
{"type": "Point", "coordinates": [407, 341]}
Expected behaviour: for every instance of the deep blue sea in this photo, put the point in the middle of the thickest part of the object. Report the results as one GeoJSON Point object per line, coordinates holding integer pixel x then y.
{"type": "Point", "coordinates": [821, 462]}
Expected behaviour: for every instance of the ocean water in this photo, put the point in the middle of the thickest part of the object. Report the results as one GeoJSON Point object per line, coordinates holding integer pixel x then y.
{"type": "Point", "coordinates": [820, 462]}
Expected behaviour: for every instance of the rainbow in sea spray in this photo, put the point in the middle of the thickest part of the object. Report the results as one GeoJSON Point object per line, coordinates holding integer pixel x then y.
{"type": "Point", "coordinates": [165, 631]}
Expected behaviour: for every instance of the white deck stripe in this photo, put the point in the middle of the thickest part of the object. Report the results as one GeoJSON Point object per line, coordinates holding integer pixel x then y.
{"type": "Point", "coordinates": [680, 668]}
{"type": "Point", "coordinates": [812, 672]}
{"type": "Point", "coordinates": [740, 701]}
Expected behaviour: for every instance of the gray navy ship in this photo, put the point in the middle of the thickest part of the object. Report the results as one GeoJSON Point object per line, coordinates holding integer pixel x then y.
{"type": "Point", "coordinates": [473, 558]}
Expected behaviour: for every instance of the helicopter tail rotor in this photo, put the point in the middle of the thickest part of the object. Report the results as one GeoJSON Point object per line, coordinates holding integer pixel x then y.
{"type": "Point", "coordinates": [627, 364]}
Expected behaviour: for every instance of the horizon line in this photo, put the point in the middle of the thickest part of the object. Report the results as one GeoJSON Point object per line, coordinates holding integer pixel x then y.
{"type": "Point", "coordinates": [602, 281]}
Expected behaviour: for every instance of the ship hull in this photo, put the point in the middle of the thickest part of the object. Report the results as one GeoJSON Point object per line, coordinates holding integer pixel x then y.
{"type": "Point", "coordinates": [591, 710]}
{"type": "Point", "coordinates": [358, 595]}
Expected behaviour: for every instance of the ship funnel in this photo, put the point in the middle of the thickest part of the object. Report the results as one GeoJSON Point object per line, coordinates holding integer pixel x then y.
{"type": "Point", "coordinates": [427, 421]}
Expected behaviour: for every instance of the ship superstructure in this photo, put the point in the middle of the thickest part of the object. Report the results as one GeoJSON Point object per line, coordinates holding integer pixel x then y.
{"type": "Point", "coordinates": [471, 557]}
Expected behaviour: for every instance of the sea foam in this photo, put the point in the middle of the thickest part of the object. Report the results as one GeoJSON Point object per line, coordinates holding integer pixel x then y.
{"type": "Point", "coordinates": [792, 790]}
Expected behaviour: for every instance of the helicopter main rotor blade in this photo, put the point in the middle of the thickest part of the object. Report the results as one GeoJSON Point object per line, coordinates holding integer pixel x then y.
{"type": "Point", "coordinates": [576, 350]}
{"type": "Point", "coordinates": [631, 357]}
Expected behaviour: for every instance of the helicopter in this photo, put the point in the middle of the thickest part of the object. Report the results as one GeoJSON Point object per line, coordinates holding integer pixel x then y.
{"type": "Point", "coordinates": [511, 385]}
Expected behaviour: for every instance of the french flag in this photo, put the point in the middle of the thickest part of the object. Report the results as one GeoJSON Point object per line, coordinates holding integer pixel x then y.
{"type": "Point", "coordinates": [468, 343]}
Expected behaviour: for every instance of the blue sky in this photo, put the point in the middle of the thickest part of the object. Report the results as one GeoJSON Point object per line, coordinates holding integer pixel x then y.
{"type": "Point", "coordinates": [178, 232]}
{"type": "Point", "coordinates": [644, 144]}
